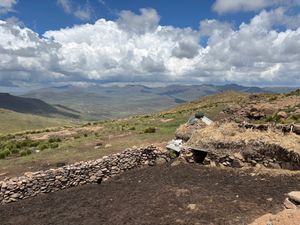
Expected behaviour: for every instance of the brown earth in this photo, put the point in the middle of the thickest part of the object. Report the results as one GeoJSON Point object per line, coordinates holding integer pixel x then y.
{"type": "Point", "coordinates": [285, 217]}
{"type": "Point", "coordinates": [183, 194]}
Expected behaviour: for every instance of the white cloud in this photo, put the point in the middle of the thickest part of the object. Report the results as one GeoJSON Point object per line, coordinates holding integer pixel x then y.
{"type": "Point", "coordinates": [7, 6]}
{"type": "Point", "coordinates": [82, 12]}
{"type": "Point", "coordinates": [227, 6]}
{"type": "Point", "coordinates": [137, 48]}
{"type": "Point", "coordinates": [147, 21]}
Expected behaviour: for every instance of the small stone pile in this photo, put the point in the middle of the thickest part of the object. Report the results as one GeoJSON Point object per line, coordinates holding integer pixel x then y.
{"type": "Point", "coordinates": [293, 200]}
{"type": "Point", "coordinates": [94, 171]}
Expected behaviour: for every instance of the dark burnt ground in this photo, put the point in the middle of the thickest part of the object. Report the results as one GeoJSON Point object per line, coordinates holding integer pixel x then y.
{"type": "Point", "coordinates": [159, 195]}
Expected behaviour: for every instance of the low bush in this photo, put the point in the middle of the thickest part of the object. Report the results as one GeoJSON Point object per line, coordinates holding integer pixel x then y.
{"type": "Point", "coordinates": [132, 128]}
{"type": "Point", "coordinates": [54, 139]}
{"type": "Point", "coordinates": [43, 146]}
{"type": "Point", "coordinates": [2, 155]}
{"type": "Point", "coordinates": [54, 145]}
{"type": "Point", "coordinates": [150, 130]}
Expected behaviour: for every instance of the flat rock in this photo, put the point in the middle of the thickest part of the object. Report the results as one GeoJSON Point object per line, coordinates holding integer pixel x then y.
{"type": "Point", "coordinates": [176, 163]}
{"type": "Point", "coordinates": [295, 196]}
{"type": "Point", "coordinates": [288, 204]}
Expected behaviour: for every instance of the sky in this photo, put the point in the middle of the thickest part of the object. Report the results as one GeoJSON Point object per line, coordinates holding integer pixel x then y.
{"type": "Point", "coordinates": [82, 42]}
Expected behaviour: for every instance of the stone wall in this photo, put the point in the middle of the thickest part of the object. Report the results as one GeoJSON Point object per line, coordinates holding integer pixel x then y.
{"type": "Point", "coordinates": [248, 155]}
{"type": "Point", "coordinates": [95, 171]}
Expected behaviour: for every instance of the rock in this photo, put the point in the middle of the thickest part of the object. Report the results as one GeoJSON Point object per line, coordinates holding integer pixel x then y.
{"type": "Point", "coordinates": [160, 161]}
{"type": "Point", "coordinates": [107, 146]}
{"type": "Point", "coordinates": [192, 206]}
{"type": "Point", "coordinates": [274, 166]}
{"type": "Point", "coordinates": [295, 196]}
{"type": "Point", "coordinates": [237, 163]}
{"type": "Point", "coordinates": [282, 114]}
{"type": "Point", "coordinates": [239, 156]}
{"type": "Point", "coordinates": [288, 204]}
{"type": "Point", "coordinates": [15, 196]}
{"type": "Point", "coordinates": [213, 164]}
{"type": "Point", "coordinates": [176, 163]}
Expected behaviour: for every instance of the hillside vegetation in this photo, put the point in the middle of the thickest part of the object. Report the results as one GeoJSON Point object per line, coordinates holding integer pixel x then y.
{"type": "Point", "coordinates": [108, 102]}
{"type": "Point", "coordinates": [11, 122]}
{"type": "Point", "coordinates": [95, 139]}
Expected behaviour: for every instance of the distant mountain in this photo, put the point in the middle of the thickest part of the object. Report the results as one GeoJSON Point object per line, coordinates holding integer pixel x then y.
{"type": "Point", "coordinates": [105, 102]}
{"type": "Point", "coordinates": [31, 106]}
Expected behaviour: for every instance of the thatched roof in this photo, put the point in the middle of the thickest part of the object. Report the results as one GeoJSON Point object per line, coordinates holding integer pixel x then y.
{"type": "Point", "coordinates": [231, 134]}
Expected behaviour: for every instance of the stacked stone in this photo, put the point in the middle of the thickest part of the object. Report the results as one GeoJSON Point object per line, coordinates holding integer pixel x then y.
{"type": "Point", "coordinates": [94, 171]}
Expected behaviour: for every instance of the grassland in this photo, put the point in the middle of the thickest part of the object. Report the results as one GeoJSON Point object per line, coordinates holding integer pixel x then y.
{"type": "Point", "coordinates": [11, 122]}
{"type": "Point", "coordinates": [96, 139]}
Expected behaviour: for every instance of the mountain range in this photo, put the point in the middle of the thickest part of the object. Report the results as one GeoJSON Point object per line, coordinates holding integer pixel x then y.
{"type": "Point", "coordinates": [95, 102]}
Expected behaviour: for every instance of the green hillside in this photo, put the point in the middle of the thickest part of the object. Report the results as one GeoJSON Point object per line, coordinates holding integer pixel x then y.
{"type": "Point", "coordinates": [11, 122]}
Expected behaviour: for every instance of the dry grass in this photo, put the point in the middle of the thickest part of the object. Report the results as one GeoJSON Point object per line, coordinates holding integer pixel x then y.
{"type": "Point", "coordinates": [231, 133]}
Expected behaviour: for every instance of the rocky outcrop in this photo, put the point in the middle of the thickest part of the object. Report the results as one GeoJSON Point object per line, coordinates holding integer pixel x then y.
{"type": "Point", "coordinates": [95, 171]}
{"type": "Point", "coordinates": [280, 127]}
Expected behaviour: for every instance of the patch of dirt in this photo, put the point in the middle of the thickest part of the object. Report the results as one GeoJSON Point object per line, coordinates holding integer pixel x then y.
{"type": "Point", "coordinates": [65, 133]}
{"type": "Point", "coordinates": [166, 120]}
{"type": "Point", "coordinates": [285, 217]}
{"type": "Point", "coordinates": [185, 194]}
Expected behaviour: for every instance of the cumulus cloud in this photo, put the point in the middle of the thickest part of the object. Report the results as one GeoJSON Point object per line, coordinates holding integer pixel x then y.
{"type": "Point", "coordinates": [147, 21]}
{"type": "Point", "coordinates": [82, 12]}
{"type": "Point", "coordinates": [228, 6]}
{"type": "Point", "coordinates": [136, 48]}
{"type": "Point", "coordinates": [7, 6]}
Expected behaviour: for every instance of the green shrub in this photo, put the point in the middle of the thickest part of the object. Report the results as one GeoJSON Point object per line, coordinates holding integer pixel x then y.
{"type": "Point", "coordinates": [28, 151]}
{"type": "Point", "coordinates": [15, 151]}
{"type": "Point", "coordinates": [54, 139]}
{"type": "Point", "coordinates": [54, 145]}
{"type": "Point", "coordinates": [23, 153]}
{"type": "Point", "coordinates": [150, 130]}
{"type": "Point", "coordinates": [43, 146]}
{"type": "Point", "coordinates": [173, 154]}
{"type": "Point", "coordinates": [132, 128]}
{"type": "Point", "coordinates": [296, 117]}
{"type": "Point", "coordinates": [275, 118]}
{"type": "Point", "coordinates": [273, 98]}
{"type": "Point", "coordinates": [2, 155]}
{"type": "Point", "coordinates": [7, 152]}
{"type": "Point", "coordinates": [85, 135]}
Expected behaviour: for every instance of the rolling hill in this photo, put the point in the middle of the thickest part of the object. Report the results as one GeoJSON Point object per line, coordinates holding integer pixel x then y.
{"type": "Point", "coordinates": [11, 122]}
{"type": "Point", "coordinates": [32, 106]}
{"type": "Point", "coordinates": [96, 102]}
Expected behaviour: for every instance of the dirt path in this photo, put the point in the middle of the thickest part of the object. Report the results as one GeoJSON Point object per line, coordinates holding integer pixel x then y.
{"type": "Point", "coordinates": [185, 194]}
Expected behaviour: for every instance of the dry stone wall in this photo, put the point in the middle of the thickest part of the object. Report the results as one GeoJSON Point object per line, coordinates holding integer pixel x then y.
{"type": "Point", "coordinates": [95, 171]}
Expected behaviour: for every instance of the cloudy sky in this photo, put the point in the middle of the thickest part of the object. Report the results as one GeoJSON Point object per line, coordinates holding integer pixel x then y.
{"type": "Point", "coordinates": [51, 42]}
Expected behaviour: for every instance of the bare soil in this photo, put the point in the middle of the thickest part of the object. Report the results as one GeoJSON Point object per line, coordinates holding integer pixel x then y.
{"type": "Point", "coordinates": [183, 194]}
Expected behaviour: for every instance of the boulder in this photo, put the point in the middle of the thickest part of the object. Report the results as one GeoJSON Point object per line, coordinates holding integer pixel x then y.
{"type": "Point", "coordinates": [282, 114]}
{"type": "Point", "coordinates": [160, 161]}
{"type": "Point", "coordinates": [288, 204]}
{"type": "Point", "coordinates": [294, 196]}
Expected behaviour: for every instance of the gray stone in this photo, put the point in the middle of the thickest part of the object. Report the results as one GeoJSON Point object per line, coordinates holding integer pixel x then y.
{"type": "Point", "coordinates": [237, 163]}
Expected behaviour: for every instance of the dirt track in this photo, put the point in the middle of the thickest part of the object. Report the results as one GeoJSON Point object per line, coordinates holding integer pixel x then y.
{"type": "Point", "coordinates": [185, 194]}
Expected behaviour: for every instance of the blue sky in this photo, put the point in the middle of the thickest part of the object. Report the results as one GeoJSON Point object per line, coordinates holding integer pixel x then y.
{"type": "Point", "coordinates": [45, 15]}
{"type": "Point", "coordinates": [80, 42]}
